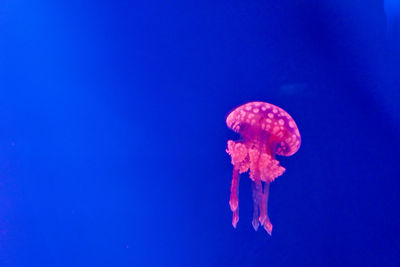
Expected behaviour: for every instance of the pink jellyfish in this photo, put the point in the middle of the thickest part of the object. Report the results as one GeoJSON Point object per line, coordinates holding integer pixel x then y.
{"type": "Point", "coordinates": [266, 131]}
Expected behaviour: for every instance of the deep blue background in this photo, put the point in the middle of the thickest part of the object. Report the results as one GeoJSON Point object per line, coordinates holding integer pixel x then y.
{"type": "Point", "coordinates": [112, 132]}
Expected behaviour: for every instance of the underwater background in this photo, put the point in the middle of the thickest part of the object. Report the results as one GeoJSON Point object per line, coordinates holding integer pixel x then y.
{"type": "Point", "coordinates": [113, 134]}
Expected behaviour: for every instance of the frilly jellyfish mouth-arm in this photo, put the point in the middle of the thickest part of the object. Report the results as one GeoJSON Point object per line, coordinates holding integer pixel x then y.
{"type": "Point", "coordinates": [267, 222]}
{"type": "Point", "coordinates": [234, 200]}
{"type": "Point", "coordinates": [266, 131]}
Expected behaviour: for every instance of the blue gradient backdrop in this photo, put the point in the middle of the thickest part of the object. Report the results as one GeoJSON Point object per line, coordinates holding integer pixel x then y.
{"type": "Point", "coordinates": [112, 132]}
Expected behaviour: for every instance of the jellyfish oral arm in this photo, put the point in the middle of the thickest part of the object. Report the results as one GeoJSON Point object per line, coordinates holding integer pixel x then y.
{"type": "Point", "coordinates": [234, 199]}
{"type": "Point", "coordinates": [255, 207]}
{"type": "Point", "coordinates": [267, 222]}
{"type": "Point", "coordinates": [260, 198]}
{"type": "Point", "coordinates": [260, 201]}
{"type": "Point", "coordinates": [264, 168]}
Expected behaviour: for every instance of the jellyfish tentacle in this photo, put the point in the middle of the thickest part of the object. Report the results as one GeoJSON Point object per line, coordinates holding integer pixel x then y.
{"type": "Point", "coordinates": [235, 217]}
{"type": "Point", "coordinates": [234, 198]}
{"type": "Point", "coordinates": [260, 201]}
{"type": "Point", "coordinates": [267, 222]}
{"type": "Point", "coordinates": [255, 208]}
{"type": "Point", "coordinates": [268, 227]}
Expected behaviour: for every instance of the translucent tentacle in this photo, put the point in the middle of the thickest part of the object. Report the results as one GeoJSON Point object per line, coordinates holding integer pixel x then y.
{"type": "Point", "coordinates": [234, 199]}
{"type": "Point", "coordinates": [260, 201]}
{"type": "Point", "coordinates": [255, 208]}
{"type": "Point", "coordinates": [235, 217]}
{"type": "Point", "coordinates": [267, 222]}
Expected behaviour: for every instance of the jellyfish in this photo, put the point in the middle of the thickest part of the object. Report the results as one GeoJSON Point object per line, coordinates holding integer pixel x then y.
{"type": "Point", "coordinates": [266, 131]}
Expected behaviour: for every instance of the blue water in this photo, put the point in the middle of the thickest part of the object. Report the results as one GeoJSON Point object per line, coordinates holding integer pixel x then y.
{"type": "Point", "coordinates": [113, 135]}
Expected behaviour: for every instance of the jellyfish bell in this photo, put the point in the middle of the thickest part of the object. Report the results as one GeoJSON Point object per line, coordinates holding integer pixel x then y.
{"type": "Point", "coordinates": [266, 130]}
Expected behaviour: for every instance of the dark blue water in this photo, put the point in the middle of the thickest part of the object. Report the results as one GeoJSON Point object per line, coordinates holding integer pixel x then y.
{"type": "Point", "coordinates": [113, 135]}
